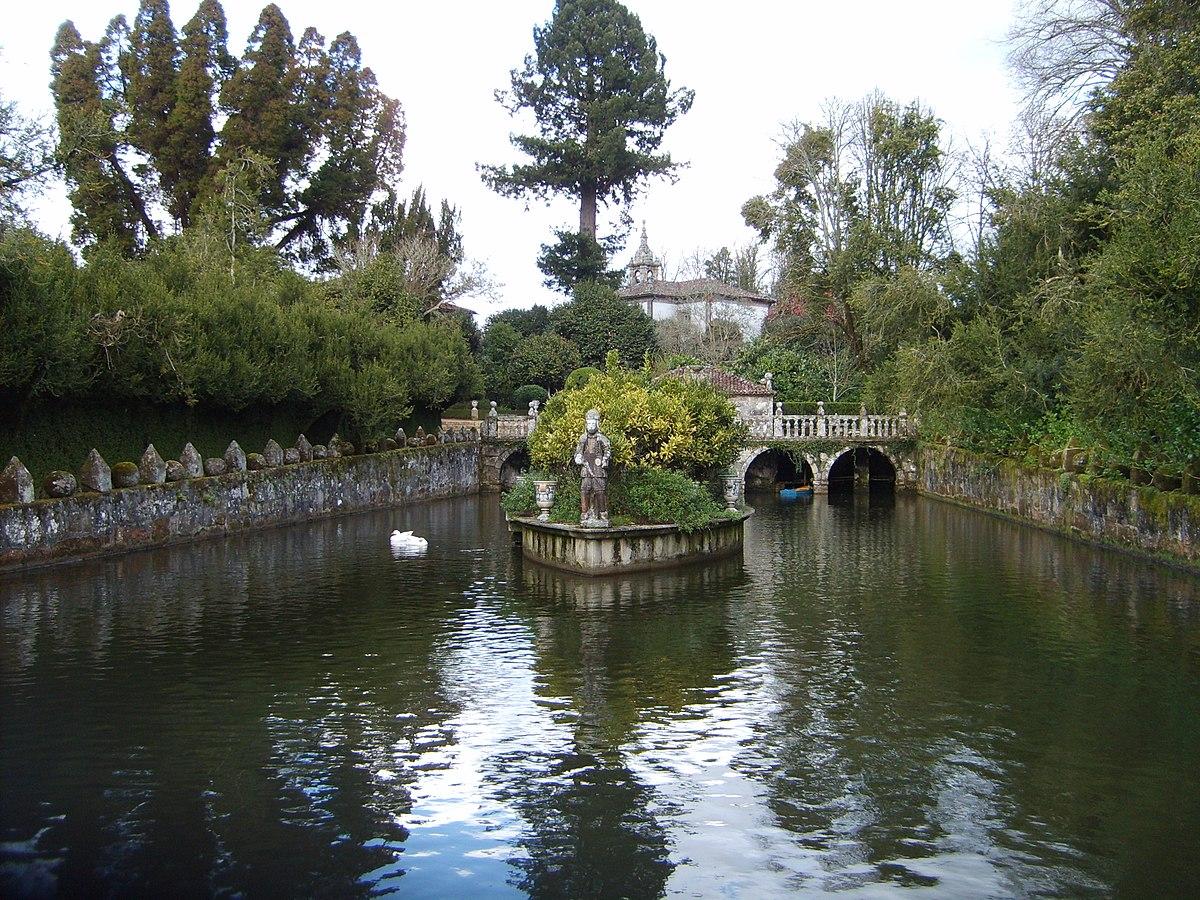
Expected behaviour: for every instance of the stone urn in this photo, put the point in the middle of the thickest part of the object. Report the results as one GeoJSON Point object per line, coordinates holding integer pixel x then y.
{"type": "Point", "coordinates": [543, 495]}
{"type": "Point", "coordinates": [731, 490]}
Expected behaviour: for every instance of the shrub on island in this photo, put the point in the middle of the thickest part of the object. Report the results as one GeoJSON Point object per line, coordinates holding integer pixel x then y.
{"type": "Point", "coordinates": [681, 425]}
{"type": "Point", "coordinates": [668, 437]}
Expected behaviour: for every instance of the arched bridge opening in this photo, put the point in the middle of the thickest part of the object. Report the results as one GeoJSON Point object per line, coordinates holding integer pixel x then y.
{"type": "Point", "coordinates": [771, 469]}
{"type": "Point", "coordinates": [512, 467]}
{"type": "Point", "coordinates": [862, 469]}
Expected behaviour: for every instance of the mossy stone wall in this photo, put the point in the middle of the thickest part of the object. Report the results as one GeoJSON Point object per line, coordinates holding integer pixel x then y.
{"type": "Point", "coordinates": [90, 524]}
{"type": "Point", "coordinates": [1116, 513]}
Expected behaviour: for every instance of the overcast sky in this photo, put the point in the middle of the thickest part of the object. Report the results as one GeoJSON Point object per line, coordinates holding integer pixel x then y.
{"type": "Point", "coordinates": [754, 65]}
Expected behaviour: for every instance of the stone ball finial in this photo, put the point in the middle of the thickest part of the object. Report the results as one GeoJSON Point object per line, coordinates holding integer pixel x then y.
{"type": "Point", "coordinates": [492, 412]}
{"type": "Point", "coordinates": [59, 484]}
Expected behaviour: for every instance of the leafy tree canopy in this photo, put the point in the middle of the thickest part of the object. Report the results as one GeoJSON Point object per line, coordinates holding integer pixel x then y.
{"type": "Point", "coordinates": [597, 321]}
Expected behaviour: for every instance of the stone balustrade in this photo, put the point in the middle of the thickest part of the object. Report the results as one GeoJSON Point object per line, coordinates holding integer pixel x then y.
{"type": "Point", "coordinates": [861, 427]}
{"type": "Point", "coordinates": [509, 427]}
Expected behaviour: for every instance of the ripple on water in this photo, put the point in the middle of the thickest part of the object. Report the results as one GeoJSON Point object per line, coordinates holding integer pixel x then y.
{"type": "Point", "coordinates": [876, 695]}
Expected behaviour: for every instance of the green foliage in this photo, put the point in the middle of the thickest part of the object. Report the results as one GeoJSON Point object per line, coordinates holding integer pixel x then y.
{"type": "Point", "coordinates": [638, 496]}
{"type": "Point", "coordinates": [799, 375]}
{"type": "Point", "coordinates": [575, 258]}
{"type": "Point", "coordinates": [657, 496]}
{"type": "Point", "coordinates": [527, 393]}
{"type": "Point", "coordinates": [500, 342]}
{"type": "Point", "coordinates": [597, 88]}
{"type": "Point", "coordinates": [543, 359]}
{"type": "Point", "coordinates": [1135, 378]}
{"type": "Point", "coordinates": [859, 198]}
{"type": "Point", "coordinates": [580, 377]}
{"type": "Point", "coordinates": [680, 424]}
{"type": "Point", "coordinates": [520, 499]}
{"type": "Point", "coordinates": [527, 322]}
{"type": "Point", "coordinates": [679, 360]}
{"type": "Point", "coordinates": [171, 327]}
{"type": "Point", "coordinates": [333, 139]}
{"type": "Point", "coordinates": [27, 159]}
{"type": "Point", "coordinates": [597, 321]}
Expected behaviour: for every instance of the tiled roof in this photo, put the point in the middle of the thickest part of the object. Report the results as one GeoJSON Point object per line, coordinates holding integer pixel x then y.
{"type": "Point", "coordinates": [697, 288]}
{"type": "Point", "coordinates": [726, 382]}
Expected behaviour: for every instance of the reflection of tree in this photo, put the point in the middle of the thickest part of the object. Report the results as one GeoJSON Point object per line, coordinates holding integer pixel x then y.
{"type": "Point", "coordinates": [624, 650]}
{"type": "Point", "coordinates": [592, 833]}
{"type": "Point", "coordinates": [953, 684]}
{"type": "Point", "coordinates": [627, 646]}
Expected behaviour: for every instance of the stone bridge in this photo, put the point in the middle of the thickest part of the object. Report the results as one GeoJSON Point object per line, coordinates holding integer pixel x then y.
{"type": "Point", "coordinates": [815, 449]}
{"type": "Point", "coordinates": [823, 448]}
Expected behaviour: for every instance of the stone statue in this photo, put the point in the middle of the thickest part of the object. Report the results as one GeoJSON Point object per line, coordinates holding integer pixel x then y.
{"type": "Point", "coordinates": [592, 454]}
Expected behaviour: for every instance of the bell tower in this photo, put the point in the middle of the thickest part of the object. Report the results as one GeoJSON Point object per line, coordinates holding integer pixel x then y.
{"type": "Point", "coordinates": [643, 268]}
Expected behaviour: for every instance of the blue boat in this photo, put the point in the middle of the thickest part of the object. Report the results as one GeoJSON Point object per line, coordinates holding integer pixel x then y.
{"type": "Point", "coordinates": [795, 491]}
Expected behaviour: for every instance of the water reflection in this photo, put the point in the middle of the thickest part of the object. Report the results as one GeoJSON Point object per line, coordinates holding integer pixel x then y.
{"type": "Point", "coordinates": [880, 693]}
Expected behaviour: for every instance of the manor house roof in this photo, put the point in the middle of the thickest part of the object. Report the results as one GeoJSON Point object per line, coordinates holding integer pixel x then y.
{"type": "Point", "coordinates": [695, 289]}
{"type": "Point", "coordinates": [725, 382]}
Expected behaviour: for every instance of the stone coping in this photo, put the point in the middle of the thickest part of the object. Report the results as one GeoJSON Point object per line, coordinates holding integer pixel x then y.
{"type": "Point", "coordinates": [625, 530]}
{"type": "Point", "coordinates": [625, 548]}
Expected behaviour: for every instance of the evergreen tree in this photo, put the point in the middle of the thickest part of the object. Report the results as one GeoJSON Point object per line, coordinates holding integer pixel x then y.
{"type": "Point", "coordinates": [204, 65]}
{"type": "Point", "coordinates": [263, 101]}
{"type": "Point", "coordinates": [597, 85]}
{"type": "Point", "coordinates": [99, 189]}
{"type": "Point", "coordinates": [332, 138]}
{"type": "Point", "coordinates": [148, 65]}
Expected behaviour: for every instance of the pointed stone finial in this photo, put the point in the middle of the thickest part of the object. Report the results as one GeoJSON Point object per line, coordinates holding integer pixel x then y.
{"type": "Point", "coordinates": [192, 461]}
{"type": "Point", "coordinates": [16, 484]}
{"type": "Point", "coordinates": [152, 469]}
{"type": "Point", "coordinates": [272, 454]}
{"type": "Point", "coordinates": [95, 474]}
{"type": "Point", "coordinates": [304, 448]}
{"type": "Point", "coordinates": [421, 433]}
{"type": "Point", "coordinates": [401, 437]}
{"type": "Point", "coordinates": [235, 459]}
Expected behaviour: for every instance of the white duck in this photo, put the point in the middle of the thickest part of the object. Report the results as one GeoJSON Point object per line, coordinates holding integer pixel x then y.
{"type": "Point", "coordinates": [406, 540]}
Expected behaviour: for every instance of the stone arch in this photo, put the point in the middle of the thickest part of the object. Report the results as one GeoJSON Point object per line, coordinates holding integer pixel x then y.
{"type": "Point", "coordinates": [510, 463]}
{"type": "Point", "coordinates": [833, 459]}
{"type": "Point", "coordinates": [745, 459]}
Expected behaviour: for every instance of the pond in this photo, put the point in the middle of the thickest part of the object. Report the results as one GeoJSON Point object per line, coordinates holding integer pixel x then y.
{"type": "Point", "coordinates": [883, 692]}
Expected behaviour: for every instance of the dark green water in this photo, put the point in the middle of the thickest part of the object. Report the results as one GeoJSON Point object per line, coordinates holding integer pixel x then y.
{"type": "Point", "coordinates": [876, 697]}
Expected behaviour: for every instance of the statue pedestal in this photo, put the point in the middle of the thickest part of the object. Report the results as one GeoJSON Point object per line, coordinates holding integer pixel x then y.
{"type": "Point", "coordinates": [625, 548]}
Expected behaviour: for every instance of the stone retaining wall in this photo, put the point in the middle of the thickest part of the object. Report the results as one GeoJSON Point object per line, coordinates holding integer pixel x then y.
{"type": "Point", "coordinates": [1120, 514]}
{"type": "Point", "coordinates": [625, 548]}
{"type": "Point", "coordinates": [147, 515]}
